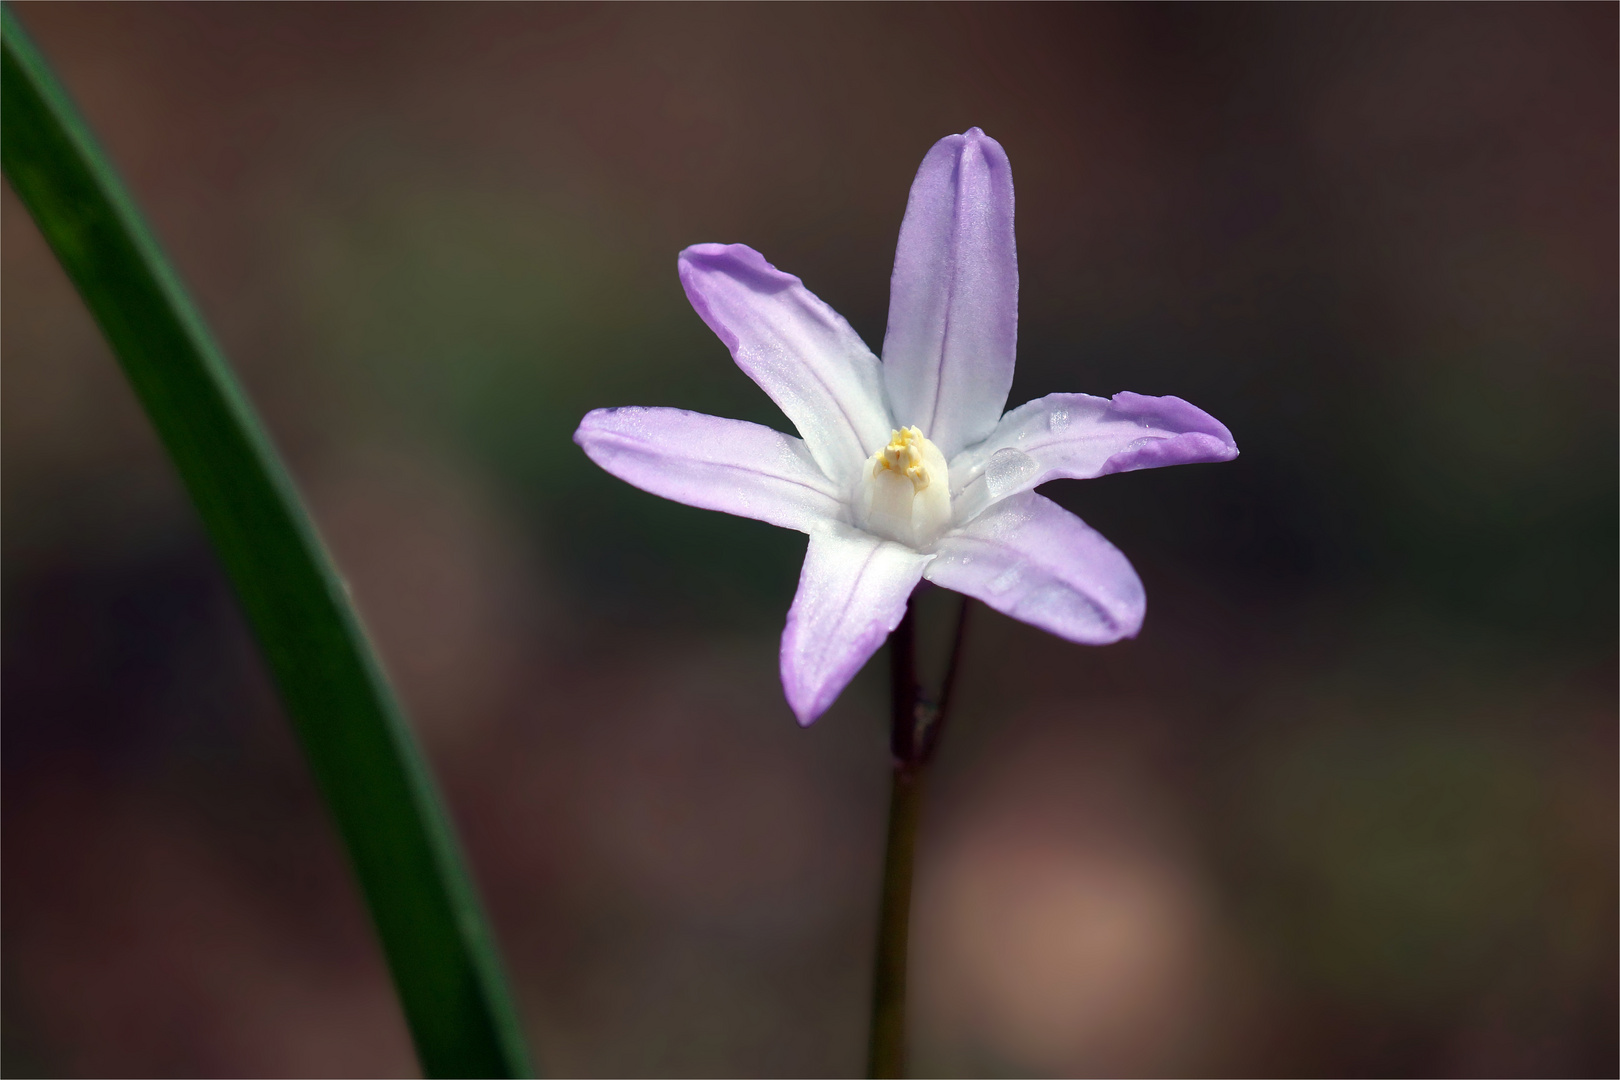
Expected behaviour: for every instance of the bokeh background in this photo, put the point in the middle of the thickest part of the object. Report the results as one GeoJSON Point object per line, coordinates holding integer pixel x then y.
{"type": "Point", "coordinates": [1346, 807]}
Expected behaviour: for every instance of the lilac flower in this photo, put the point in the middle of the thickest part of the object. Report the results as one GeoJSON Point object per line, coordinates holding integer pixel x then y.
{"type": "Point", "coordinates": [907, 468]}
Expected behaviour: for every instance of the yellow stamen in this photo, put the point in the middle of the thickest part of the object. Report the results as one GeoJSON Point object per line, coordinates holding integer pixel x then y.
{"type": "Point", "coordinates": [903, 455]}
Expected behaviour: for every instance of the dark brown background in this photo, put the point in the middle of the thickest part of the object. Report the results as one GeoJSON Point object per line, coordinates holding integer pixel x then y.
{"type": "Point", "coordinates": [1347, 807]}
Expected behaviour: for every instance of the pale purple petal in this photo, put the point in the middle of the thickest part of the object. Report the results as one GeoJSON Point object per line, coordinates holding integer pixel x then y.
{"type": "Point", "coordinates": [953, 300]}
{"type": "Point", "coordinates": [717, 464]}
{"type": "Point", "coordinates": [1081, 436]}
{"type": "Point", "coordinates": [1029, 558]}
{"type": "Point", "coordinates": [800, 351]}
{"type": "Point", "coordinates": [852, 592]}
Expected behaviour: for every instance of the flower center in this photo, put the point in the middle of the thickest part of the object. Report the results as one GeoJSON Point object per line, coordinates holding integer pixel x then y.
{"type": "Point", "coordinates": [904, 493]}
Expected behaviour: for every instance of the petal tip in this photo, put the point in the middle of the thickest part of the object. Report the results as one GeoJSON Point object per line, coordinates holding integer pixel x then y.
{"type": "Point", "coordinates": [741, 253]}
{"type": "Point", "coordinates": [972, 139]}
{"type": "Point", "coordinates": [692, 251]}
{"type": "Point", "coordinates": [588, 424]}
{"type": "Point", "coordinates": [806, 715]}
{"type": "Point", "coordinates": [807, 703]}
{"type": "Point", "coordinates": [976, 138]}
{"type": "Point", "coordinates": [1178, 411]}
{"type": "Point", "coordinates": [737, 261]}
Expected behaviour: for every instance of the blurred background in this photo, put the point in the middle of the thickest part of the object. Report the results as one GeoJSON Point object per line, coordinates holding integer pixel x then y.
{"type": "Point", "coordinates": [1346, 807]}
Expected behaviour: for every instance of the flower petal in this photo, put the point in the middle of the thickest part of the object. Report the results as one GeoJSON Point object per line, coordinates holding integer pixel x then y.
{"type": "Point", "coordinates": [800, 351]}
{"type": "Point", "coordinates": [953, 300]}
{"type": "Point", "coordinates": [852, 592]}
{"type": "Point", "coordinates": [717, 464]}
{"type": "Point", "coordinates": [1081, 436]}
{"type": "Point", "coordinates": [1029, 558]}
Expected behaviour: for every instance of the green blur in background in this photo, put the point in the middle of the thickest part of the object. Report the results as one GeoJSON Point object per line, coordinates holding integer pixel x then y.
{"type": "Point", "coordinates": [1346, 807]}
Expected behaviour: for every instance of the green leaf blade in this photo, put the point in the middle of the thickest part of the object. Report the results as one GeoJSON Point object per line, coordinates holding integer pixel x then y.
{"type": "Point", "coordinates": [365, 760]}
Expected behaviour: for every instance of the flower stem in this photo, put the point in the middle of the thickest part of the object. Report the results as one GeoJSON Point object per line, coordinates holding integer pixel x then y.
{"type": "Point", "coordinates": [887, 1056]}
{"type": "Point", "coordinates": [913, 738]}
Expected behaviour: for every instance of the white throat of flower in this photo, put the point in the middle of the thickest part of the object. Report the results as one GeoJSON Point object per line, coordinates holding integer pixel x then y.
{"type": "Point", "coordinates": [904, 491]}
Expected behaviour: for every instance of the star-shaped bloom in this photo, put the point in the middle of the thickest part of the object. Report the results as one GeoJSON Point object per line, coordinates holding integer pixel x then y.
{"type": "Point", "coordinates": [906, 468]}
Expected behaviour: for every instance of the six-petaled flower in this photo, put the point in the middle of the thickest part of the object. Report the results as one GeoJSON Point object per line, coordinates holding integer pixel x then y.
{"type": "Point", "coordinates": [906, 468]}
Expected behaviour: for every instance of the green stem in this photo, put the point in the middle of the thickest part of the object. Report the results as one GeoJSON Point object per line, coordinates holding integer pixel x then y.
{"type": "Point", "coordinates": [887, 1055]}
{"type": "Point", "coordinates": [365, 761]}
{"type": "Point", "coordinates": [915, 727]}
